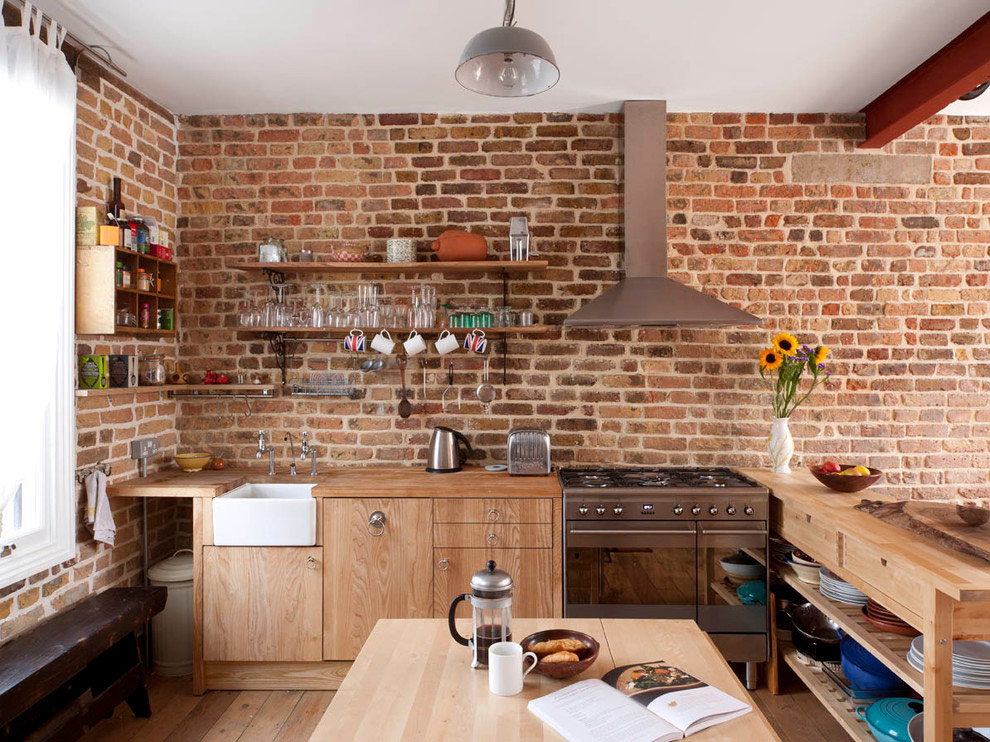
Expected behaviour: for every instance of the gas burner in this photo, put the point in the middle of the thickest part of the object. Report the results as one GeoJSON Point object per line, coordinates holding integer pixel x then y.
{"type": "Point", "coordinates": [709, 477]}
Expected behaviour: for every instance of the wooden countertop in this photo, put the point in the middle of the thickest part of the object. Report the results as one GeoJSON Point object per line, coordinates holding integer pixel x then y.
{"type": "Point", "coordinates": [412, 682]}
{"type": "Point", "coordinates": [356, 481]}
{"type": "Point", "coordinates": [962, 576]}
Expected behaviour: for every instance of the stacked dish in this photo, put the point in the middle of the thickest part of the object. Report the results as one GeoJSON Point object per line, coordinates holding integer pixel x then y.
{"type": "Point", "coordinates": [807, 569]}
{"type": "Point", "coordinates": [883, 619]}
{"type": "Point", "coordinates": [780, 549]}
{"type": "Point", "coordinates": [970, 662]}
{"type": "Point", "coordinates": [839, 590]}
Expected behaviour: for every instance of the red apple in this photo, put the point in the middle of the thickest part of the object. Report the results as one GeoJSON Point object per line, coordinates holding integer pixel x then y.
{"type": "Point", "coordinates": [830, 467]}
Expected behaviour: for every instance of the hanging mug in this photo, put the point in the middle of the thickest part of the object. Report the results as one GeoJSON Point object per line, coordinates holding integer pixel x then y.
{"type": "Point", "coordinates": [354, 340]}
{"type": "Point", "coordinates": [476, 341]}
{"type": "Point", "coordinates": [383, 343]}
{"type": "Point", "coordinates": [414, 344]}
{"type": "Point", "coordinates": [446, 343]}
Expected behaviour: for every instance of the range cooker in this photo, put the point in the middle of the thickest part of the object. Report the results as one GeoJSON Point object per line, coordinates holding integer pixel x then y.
{"type": "Point", "coordinates": [648, 543]}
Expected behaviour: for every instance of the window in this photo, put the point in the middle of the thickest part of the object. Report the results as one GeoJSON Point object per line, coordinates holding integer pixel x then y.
{"type": "Point", "coordinates": [37, 237]}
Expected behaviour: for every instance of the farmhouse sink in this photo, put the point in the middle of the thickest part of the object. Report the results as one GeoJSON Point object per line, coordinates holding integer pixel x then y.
{"type": "Point", "coordinates": [265, 514]}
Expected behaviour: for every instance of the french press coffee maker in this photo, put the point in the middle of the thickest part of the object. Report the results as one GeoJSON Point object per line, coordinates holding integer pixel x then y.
{"type": "Point", "coordinates": [491, 603]}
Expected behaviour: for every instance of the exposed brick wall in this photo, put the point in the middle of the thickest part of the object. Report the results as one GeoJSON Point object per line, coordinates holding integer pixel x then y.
{"type": "Point", "coordinates": [887, 266]}
{"type": "Point", "coordinates": [119, 132]}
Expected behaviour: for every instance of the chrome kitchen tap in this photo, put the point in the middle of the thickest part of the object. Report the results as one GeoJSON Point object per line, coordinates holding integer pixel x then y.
{"type": "Point", "coordinates": [304, 447]}
{"type": "Point", "coordinates": [292, 456]}
{"type": "Point", "coordinates": [264, 448]}
{"type": "Point", "coordinates": [312, 456]}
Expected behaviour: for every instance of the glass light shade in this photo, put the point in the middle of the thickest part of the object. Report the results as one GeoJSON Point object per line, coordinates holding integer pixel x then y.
{"type": "Point", "coordinates": [507, 61]}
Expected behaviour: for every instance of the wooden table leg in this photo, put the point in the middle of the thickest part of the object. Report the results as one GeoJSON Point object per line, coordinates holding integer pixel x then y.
{"type": "Point", "coordinates": [773, 666]}
{"type": "Point", "coordinates": [938, 666]}
{"type": "Point", "coordinates": [199, 676]}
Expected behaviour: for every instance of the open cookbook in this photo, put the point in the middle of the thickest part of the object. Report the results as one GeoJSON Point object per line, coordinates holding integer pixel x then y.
{"type": "Point", "coordinates": [650, 702]}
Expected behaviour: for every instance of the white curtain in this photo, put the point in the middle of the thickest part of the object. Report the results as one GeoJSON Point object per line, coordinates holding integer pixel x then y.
{"type": "Point", "coordinates": [37, 237]}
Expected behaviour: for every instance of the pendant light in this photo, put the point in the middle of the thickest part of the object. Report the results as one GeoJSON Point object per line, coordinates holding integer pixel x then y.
{"type": "Point", "coordinates": [508, 61]}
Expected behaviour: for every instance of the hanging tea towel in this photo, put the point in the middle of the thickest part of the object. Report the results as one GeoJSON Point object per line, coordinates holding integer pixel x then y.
{"type": "Point", "coordinates": [99, 517]}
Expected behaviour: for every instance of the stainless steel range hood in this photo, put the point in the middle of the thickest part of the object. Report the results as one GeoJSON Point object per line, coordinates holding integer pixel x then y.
{"type": "Point", "coordinates": [646, 297]}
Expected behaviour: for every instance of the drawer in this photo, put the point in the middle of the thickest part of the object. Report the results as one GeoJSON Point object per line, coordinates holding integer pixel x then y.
{"type": "Point", "coordinates": [491, 510]}
{"type": "Point", "coordinates": [808, 532]}
{"type": "Point", "coordinates": [887, 576]}
{"type": "Point", "coordinates": [493, 535]}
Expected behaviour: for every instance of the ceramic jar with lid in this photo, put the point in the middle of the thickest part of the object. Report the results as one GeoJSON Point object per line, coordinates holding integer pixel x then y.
{"type": "Point", "coordinates": [400, 250]}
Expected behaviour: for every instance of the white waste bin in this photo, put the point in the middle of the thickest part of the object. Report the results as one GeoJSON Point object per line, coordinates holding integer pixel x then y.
{"type": "Point", "coordinates": [172, 629]}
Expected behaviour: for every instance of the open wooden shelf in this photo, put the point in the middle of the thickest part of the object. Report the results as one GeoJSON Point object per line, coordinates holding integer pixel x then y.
{"type": "Point", "coordinates": [206, 390]}
{"type": "Point", "coordinates": [891, 649]}
{"type": "Point", "coordinates": [124, 329]}
{"type": "Point", "coordinates": [395, 332]}
{"type": "Point", "coordinates": [434, 266]}
{"type": "Point", "coordinates": [725, 592]}
{"type": "Point", "coordinates": [837, 703]}
{"type": "Point", "coordinates": [139, 292]}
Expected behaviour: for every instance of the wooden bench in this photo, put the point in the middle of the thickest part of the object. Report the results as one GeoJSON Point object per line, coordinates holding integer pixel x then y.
{"type": "Point", "coordinates": [60, 678]}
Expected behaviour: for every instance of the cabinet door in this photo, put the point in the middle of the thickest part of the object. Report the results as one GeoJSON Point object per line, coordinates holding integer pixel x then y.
{"type": "Point", "coordinates": [374, 570]}
{"type": "Point", "coordinates": [531, 571]}
{"type": "Point", "coordinates": [262, 604]}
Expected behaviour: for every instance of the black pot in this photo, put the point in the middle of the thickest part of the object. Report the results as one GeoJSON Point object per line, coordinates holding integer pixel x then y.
{"type": "Point", "coordinates": [814, 634]}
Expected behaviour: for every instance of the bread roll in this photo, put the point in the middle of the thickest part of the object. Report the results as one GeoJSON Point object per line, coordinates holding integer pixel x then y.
{"type": "Point", "coordinates": [561, 657]}
{"type": "Point", "coordinates": [557, 645]}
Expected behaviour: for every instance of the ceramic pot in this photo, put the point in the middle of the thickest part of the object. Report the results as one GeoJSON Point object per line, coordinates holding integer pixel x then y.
{"type": "Point", "coordinates": [780, 445]}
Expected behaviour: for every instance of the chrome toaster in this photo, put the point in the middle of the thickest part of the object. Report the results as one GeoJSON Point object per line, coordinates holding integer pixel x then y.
{"type": "Point", "coordinates": [528, 452]}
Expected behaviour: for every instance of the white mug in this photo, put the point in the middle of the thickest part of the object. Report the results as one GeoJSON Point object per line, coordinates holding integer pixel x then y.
{"type": "Point", "coordinates": [414, 344]}
{"type": "Point", "coordinates": [505, 668]}
{"type": "Point", "coordinates": [383, 343]}
{"type": "Point", "coordinates": [446, 343]}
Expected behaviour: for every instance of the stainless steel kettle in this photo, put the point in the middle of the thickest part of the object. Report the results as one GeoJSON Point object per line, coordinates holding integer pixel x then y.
{"type": "Point", "coordinates": [446, 455]}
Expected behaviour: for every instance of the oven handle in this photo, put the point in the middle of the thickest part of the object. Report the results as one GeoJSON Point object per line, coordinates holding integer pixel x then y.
{"type": "Point", "coordinates": [631, 532]}
{"type": "Point", "coordinates": [733, 532]}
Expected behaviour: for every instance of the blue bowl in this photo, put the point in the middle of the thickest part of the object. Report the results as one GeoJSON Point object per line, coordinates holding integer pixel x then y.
{"type": "Point", "coordinates": [865, 671]}
{"type": "Point", "coordinates": [888, 718]}
{"type": "Point", "coordinates": [753, 592]}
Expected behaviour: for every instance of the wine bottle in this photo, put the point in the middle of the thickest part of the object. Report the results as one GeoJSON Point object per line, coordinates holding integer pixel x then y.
{"type": "Point", "coordinates": [115, 207]}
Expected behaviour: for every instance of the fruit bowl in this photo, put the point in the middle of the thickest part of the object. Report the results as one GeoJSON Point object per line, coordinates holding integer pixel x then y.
{"type": "Point", "coordinates": [561, 670]}
{"type": "Point", "coordinates": [191, 462]}
{"type": "Point", "coordinates": [845, 482]}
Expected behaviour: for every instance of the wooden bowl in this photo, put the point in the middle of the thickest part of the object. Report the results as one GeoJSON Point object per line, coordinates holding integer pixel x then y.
{"type": "Point", "coordinates": [562, 670]}
{"type": "Point", "coordinates": [973, 515]}
{"type": "Point", "coordinates": [191, 462]}
{"type": "Point", "coordinates": [844, 483]}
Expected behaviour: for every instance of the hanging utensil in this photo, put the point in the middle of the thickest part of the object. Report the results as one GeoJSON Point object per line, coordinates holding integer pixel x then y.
{"type": "Point", "coordinates": [485, 392]}
{"type": "Point", "coordinates": [450, 386]}
{"type": "Point", "coordinates": [405, 407]}
{"type": "Point", "coordinates": [422, 363]}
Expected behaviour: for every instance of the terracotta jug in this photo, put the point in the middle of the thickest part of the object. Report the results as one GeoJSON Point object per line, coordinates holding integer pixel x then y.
{"type": "Point", "coordinates": [456, 244]}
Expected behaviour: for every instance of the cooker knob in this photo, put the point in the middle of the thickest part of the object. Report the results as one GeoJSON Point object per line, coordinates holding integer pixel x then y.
{"type": "Point", "coordinates": [730, 510]}
{"type": "Point", "coordinates": [748, 510]}
{"type": "Point", "coordinates": [713, 510]}
{"type": "Point", "coordinates": [678, 510]}
{"type": "Point", "coordinates": [695, 509]}
{"type": "Point", "coordinates": [600, 510]}
{"type": "Point", "coordinates": [582, 510]}
{"type": "Point", "coordinates": [617, 510]}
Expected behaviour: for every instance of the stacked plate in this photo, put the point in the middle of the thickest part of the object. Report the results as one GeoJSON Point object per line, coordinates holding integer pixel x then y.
{"type": "Point", "coordinates": [883, 619]}
{"type": "Point", "coordinates": [970, 662]}
{"type": "Point", "coordinates": [780, 549]}
{"type": "Point", "coordinates": [839, 590]}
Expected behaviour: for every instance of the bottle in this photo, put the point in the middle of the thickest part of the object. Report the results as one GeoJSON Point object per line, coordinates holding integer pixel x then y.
{"type": "Point", "coordinates": [145, 315]}
{"type": "Point", "coordinates": [115, 207]}
{"type": "Point", "coordinates": [120, 273]}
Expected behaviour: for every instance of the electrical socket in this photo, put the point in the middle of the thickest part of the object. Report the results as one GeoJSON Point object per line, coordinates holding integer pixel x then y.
{"type": "Point", "coordinates": [144, 448]}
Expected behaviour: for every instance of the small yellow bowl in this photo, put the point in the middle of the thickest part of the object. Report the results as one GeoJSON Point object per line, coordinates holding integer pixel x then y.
{"type": "Point", "coordinates": [192, 461]}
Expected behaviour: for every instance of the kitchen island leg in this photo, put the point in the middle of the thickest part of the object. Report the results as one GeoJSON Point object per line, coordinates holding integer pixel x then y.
{"type": "Point", "coordinates": [938, 666]}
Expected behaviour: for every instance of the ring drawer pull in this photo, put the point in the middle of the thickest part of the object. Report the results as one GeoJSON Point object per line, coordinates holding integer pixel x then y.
{"type": "Point", "coordinates": [376, 523]}
{"type": "Point", "coordinates": [444, 565]}
{"type": "Point", "coordinates": [492, 539]}
{"type": "Point", "coordinates": [494, 514]}
{"type": "Point", "coordinates": [311, 563]}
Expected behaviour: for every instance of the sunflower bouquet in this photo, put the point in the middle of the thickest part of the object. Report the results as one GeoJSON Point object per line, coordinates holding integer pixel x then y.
{"type": "Point", "coordinates": [783, 364]}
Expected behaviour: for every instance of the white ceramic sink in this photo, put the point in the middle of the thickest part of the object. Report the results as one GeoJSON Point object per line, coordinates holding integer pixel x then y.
{"type": "Point", "coordinates": [265, 514]}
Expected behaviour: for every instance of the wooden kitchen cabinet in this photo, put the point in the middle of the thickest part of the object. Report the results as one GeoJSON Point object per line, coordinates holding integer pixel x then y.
{"type": "Point", "coordinates": [531, 570]}
{"type": "Point", "coordinates": [375, 569]}
{"type": "Point", "coordinates": [262, 604]}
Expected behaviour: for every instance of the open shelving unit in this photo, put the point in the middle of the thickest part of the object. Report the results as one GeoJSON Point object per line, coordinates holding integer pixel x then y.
{"type": "Point", "coordinates": [837, 703]}
{"type": "Point", "coordinates": [206, 391]}
{"type": "Point", "coordinates": [372, 268]}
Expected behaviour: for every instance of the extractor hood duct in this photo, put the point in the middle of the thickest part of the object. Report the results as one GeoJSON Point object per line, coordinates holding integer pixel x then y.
{"type": "Point", "coordinates": [646, 297]}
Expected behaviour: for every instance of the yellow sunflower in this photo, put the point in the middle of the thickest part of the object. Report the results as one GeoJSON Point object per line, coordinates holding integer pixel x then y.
{"type": "Point", "coordinates": [786, 344]}
{"type": "Point", "coordinates": [771, 359]}
{"type": "Point", "coordinates": [821, 353]}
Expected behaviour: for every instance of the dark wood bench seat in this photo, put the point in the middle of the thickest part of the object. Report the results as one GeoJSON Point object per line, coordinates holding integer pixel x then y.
{"type": "Point", "coordinates": [68, 673]}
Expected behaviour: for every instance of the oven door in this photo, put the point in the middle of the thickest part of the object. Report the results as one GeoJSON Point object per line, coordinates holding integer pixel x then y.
{"type": "Point", "coordinates": [630, 569]}
{"type": "Point", "coordinates": [720, 608]}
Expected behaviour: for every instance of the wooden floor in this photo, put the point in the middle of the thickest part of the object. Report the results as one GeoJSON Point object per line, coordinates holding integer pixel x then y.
{"type": "Point", "coordinates": [291, 716]}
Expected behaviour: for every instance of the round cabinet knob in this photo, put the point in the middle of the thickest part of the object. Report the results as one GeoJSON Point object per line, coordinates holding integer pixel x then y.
{"type": "Point", "coordinates": [678, 510]}
{"type": "Point", "coordinates": [731, 510]}
{"type": "Point", "coordinates": [376, 523]}
{"type": "Point", "coordinates": [492, 539]}
{"type": "Point", "coordinates": [617, 510]}
{"type": "Point", "coordinates": [696, 510]}
{"type": "Point", "coordinates": [713, 510]}
{"type": "Point", "coordinates": [748, 510]}
{"type": "Point", "coordinates": [582, 510]}
{"type": "Point", "coordinates": [600, 510]}
{"type": "Point", "coordinates": [311, 563]}
{"type": "Point", "coordinates": [443, 565]}
{"type": "Point", "coordinates": [494, 514]}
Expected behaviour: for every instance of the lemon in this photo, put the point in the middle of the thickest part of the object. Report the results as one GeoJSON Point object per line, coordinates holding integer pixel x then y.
{"type": "Point", "coordinates": [862, 471]}
{"type": "Point", "coordinates": [855, 471]}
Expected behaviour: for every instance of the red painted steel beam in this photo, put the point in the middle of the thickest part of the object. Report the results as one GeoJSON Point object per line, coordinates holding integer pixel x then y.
{"type": "Point", "coordinates": [955, 69]}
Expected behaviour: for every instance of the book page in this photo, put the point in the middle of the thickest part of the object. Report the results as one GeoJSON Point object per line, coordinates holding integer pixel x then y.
{"type": "Point", "coordinates": [698, 708]}
{"type": "Point", "coordinates": [591, 711]}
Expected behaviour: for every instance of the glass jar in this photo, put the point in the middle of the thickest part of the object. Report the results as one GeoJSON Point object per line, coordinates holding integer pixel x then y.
{"type": "Point", "coordinates": [272, 250]}
{"type": "Point", "coordinates": [143, 280]}
{"type": "Point", "coordinates": [152, 370]}
{"type": "Point", "coordinates": [125, 277]}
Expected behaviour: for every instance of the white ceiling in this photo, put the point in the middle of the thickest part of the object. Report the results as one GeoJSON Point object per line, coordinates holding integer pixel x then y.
{"type": "Point", "coordinates": [377, 56]}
